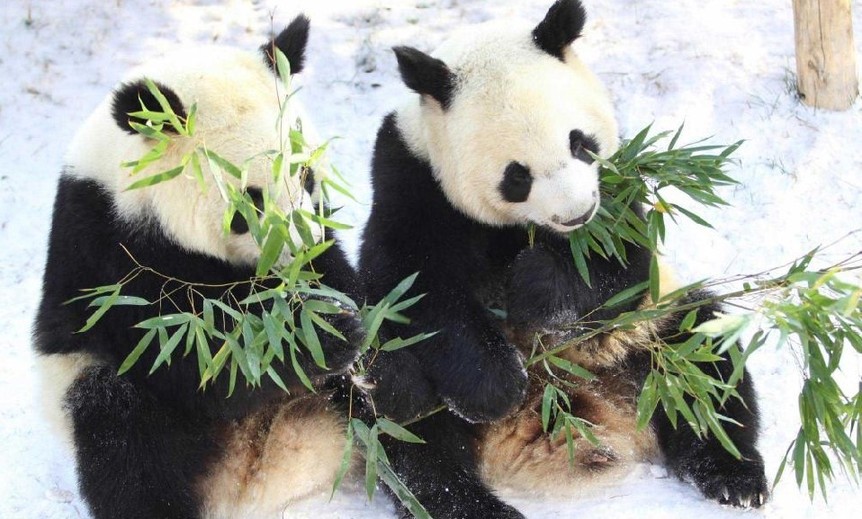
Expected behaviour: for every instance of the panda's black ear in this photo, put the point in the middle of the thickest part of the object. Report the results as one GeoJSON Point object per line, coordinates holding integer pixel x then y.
{"type": "Point", "coordinates": [562, 25]}
{"type": "Point", "coordinates": [291, 42]}
{"type": "Point", "coordinates": [129, 97]}
{"type": "Point", "coordinates": [425, 75]}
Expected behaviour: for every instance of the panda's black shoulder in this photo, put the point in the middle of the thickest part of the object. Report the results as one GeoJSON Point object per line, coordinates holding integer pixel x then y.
{"type": "Point", "coordinates": [90, 245]}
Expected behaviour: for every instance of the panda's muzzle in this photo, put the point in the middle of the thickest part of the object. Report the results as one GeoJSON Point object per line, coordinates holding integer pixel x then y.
{"type": "Point", "coordinates": [580, 220]}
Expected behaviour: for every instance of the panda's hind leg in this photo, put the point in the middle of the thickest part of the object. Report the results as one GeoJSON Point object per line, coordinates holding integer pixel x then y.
{"type": "Point", "coordinates": [704, 461]}
{"type": "Point", "coordinates": [136, 460]}
{"type": "Point", "coordinates": [442, 472]}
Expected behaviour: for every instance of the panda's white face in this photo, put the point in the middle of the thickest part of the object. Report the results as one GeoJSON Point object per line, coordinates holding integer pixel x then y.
{"type": "Point", "coordinates": [237, 97]}
{"type": "Point", "coordinates": [508, 142]}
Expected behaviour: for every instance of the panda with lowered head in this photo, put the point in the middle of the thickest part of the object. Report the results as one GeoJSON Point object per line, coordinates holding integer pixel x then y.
{"type": "Point", "coordinates": [154, 446]}
{"type": "Point", "coordinates": [496, 140]}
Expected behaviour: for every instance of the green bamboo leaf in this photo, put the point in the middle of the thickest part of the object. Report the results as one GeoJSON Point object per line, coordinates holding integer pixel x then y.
{"type": "Point", "coordinates": [570, 443]}
{"type": "Point", "coordinates": [346, 458]}
{"type": "Point", "coordinates": [105, 306]}
{"type": "Point", "coordinates": [136, 353]}
{"type": "Point", "coordinates": [93, 292]}
{"type": "Point", "coordinates": [324, 325]}
{"type": "Point", "coordinates": [164, 321]}
{"type": "Point", "coordinates": [718, 430]}
{"type": "Point", "coordinates": [297, 368]}
{"type": "Point", "coordinates": [310, 339]}
{"type": "Point", "coordinates": [571, 368]}
{"type": "Point", "coordinates": [282, 66]}
{"type": "Point", "coordinates": [219, 361]}
{"type": "Point", "coordinates": [549, 399]}
{"type": "Point", "coordinates": [158, 178]}
{"type": "Point", "coordinates": [400, 289]}
{"type": "Point", "coordinates": [222, 164]}
{"type": "Point", "coordinates": [165, 105]}
{"type": "Point", "coordinates": [149, 131]}
{"type": "Point", "coordinates": [269, 254]}
{"type": "Point", "coordinates": [688, 321]}
{"type": "Point", "coordinates": [396, 431]}
{"type": "Point", "coordinates": [406, 303]}
{"type": "Point", "coordinates": [120, 301]}
{"type": "Point", "coordinates": [205, 359]}
{"type": "Point", "coordinates": [398, 343]}
{"type": "Point", "coordinates": [401, 491]}
{"type": "Point", "coordinates": [580, 256]}
{"type": "Point", "coordinates": [372, 322]}
{"type": "Point", "coordinates": [168, 349]}
{"type": "Point", "coordinates": [647, 401]}
{"type": "Point", "coordinates": [371, 451]}
{"type": "Point", "coordinates": [627, 295]}
{"type": "Point", "coordinates": [321, 307]}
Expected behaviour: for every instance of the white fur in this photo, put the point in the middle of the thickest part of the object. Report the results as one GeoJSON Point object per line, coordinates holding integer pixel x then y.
{"type": "Point", "coordinates": [56, 374]}
{"type": "Point", "coordinates": [513, 102]}
{"type": "Point", "coordinates": [237, 116]}
{"type": "Point", "coordinates": [270, 464]}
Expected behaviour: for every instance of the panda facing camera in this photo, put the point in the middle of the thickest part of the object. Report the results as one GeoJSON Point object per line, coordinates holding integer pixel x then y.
{"type": "Point", "coordinates": [499, 135]}
{"type": "Point", "coordinates": [154, 445]}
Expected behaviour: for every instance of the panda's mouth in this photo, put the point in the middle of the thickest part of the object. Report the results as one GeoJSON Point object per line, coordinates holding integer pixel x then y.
{"type": "Point", "coordinates": [574, 223]}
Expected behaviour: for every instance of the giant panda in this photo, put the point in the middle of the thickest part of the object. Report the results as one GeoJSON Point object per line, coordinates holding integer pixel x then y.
{"type": "Point", "coordinates": [155, 446]}
{"type": "Point", "coordinates": [495, 139]}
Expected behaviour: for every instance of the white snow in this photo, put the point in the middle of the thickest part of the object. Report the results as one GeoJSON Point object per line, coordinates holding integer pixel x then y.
{"type": "Point", "coordinates": [724, 68]}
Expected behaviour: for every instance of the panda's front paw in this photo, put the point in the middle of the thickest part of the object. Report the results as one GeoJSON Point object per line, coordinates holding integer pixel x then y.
{"type": "Point", "coordinates": [486, 387]}
{"type": "Point", "coordinates": [730, 481]}
{"type": "Point", "coordinates": [341, 354]}
{"type": "Point", "coordinates": [540, 292]}
{"type": "Point", "coordinates": [397, 387]}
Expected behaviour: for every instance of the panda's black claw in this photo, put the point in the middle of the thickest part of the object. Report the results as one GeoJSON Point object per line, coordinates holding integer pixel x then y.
{"type": "Point", "coordinates": [739, 483]}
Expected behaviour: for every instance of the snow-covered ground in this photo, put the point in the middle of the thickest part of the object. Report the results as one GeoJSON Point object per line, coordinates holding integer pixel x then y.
{"type": "Point", "coordinates": [726, 68]}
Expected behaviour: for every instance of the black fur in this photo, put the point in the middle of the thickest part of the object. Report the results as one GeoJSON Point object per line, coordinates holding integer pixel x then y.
{"type": "Point", "coordinates": [469, 363]}
{"type": "Point", "coordinates": [705, 462]}
{"type": "Point", "coordinates": [441, 472]}
{"type": "Point", "coordinates": [580, 144]}
{"type": "Point", "coordinates": [425, 75]}
{"type": "Point", "coordinates": [291, 42]}
{"type": "Point", "coordinates": [136, 457]}
{"type": "Point", "coordinates": [562, 25]}
{"type": "Point", "coordinates": [462, 265]}
{"type": "Point", "coordinates": [144, 440]}
{"type": "Point", "coordinates": [516, 183]}
{"type": "Point", "coordinates": [129, 97]}
{"type": "Point", "coordinates": [310, 181]}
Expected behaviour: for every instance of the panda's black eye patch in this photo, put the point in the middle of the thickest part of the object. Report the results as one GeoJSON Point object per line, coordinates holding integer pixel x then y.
{"type": "Point", "coordinates": [238, 224]}
{"type": "Point", "coordinates": [256, 195]}
{"type": "Point", "coordinates": [580, 143]}
{"type": "Point", "coordinates": [516, 183]}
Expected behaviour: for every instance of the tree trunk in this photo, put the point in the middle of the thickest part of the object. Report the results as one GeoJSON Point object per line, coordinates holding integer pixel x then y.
{"type": "Point", "coordinates": [825, 54]}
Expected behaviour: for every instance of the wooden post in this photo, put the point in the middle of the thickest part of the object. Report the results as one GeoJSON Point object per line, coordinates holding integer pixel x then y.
{"type": "Point", "coordinates": [825, 55]}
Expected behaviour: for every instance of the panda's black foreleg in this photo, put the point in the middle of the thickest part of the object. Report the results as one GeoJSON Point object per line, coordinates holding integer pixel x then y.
{"type": "Point", "coordinates": [704, 461]}
{"type": "Point", "coordinates": [546, 290]}
{"type": "Point", "coordinates": [136, 459]}
{"type": "Point", "coordinates": [442, 472]}
{"type": "Point", "coordinates": [338, 274]}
